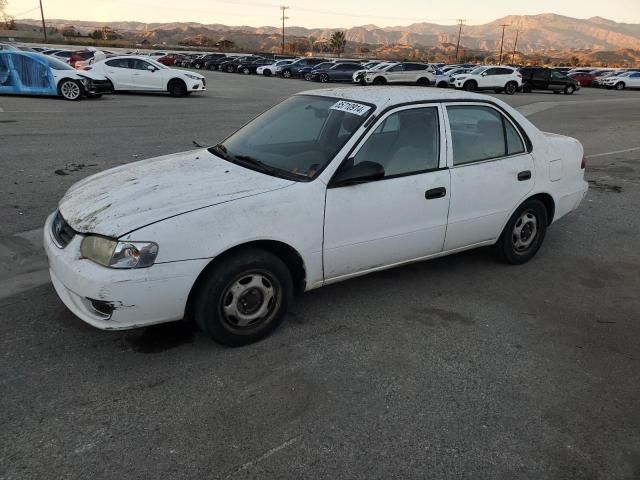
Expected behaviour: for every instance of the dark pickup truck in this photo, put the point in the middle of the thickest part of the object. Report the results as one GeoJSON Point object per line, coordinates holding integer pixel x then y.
{"type": "Point", "coordinates": [534, 78]}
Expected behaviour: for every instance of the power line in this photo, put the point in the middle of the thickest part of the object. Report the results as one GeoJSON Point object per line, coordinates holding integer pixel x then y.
{"type": "Point", "coordinates": [284, 17]}
{"type": "Point", "coordinates": [461, 22]}
{"type": "Point", "coordinates": [504, 25]}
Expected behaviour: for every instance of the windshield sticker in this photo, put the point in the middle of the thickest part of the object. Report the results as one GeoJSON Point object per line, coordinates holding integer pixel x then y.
{"type": "Point", "coordinates": [351, 107]}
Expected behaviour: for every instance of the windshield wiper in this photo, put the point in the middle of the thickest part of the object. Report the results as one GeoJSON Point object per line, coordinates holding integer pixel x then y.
{"type": "Point", "coordinates": [254, 162]}
{"type": "Point", "coordinates": [220, 150]}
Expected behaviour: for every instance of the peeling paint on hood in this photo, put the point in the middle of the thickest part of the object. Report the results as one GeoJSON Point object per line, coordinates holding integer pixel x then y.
{"type": "Point", "coordinates": [125, 198]}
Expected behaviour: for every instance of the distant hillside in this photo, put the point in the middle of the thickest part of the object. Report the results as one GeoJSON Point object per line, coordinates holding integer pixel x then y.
{"type": "Point", "coordinates": [537, 33]}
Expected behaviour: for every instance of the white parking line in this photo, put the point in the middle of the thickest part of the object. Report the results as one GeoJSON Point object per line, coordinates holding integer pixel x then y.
{"type": "Point", "coordinates": [604, 154]}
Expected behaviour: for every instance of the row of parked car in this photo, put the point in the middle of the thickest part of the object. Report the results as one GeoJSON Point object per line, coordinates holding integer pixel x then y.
{"type": "Point", "coordinates": [28, 72]}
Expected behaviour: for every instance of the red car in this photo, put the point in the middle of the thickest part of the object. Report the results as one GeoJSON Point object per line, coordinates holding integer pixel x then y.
{"type": "Point", "coordinates": [583, 78]}
{"type": "Point", "coordinates": [170, 59]}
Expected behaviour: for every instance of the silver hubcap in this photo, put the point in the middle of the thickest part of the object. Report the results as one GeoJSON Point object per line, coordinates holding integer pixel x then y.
{"type": "Point", "coordinates": [524, 231]}
{"type": "Point", "coordinates": [287, 74]}
{"type": "Point", "coordinates": [70, 90]}
{"type": "Point", "coordinates": [250, 299]}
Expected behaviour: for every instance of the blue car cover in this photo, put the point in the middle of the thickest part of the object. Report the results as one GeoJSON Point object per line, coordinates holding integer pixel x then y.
{"type": "Point", "coordinates": [26, 73]}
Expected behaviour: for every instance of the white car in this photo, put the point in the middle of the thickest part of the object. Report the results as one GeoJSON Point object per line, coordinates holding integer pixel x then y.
{"type": "Point", "coordinates": [623, 80]}
{"type": "Point", "coordinates": [499, 79]}
{"type": "Point", "coordinates": [358, 76]}
{"type": "Point", "coordinates": [268, 70]}
{"type": "Point", "coordinates": [141, 73]}
{"type": "Point", "coordinates": [445, 79]}
{"type": "Point", "coordinates": [403, 72]}
{"type": "Point", "coordinates": [30, 73]}
{"type": "Point", "coordinates": [327, 185]}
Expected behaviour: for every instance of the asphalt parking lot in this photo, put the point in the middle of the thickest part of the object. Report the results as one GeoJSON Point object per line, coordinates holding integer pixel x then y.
{"type": "Point", "coordinates": [460, 367]}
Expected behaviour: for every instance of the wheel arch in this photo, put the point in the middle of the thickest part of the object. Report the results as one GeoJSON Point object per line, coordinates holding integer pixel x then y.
{"type": "Point", "coordinates": [289, 255]}
{"type": "Point", "coordinates": [548, 202]}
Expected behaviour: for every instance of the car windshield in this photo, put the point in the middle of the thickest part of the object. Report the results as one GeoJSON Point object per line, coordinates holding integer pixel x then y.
{"type": "Point", "coordinates": [477, 71]}
{"type": "Point", "coordinates": [295, 139]}
{"type": "Point", "coordinates": [56, 64]}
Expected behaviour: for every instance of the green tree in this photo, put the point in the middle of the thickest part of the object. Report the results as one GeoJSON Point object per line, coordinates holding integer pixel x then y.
{"type": "Point", "coordinates": [338, 42]}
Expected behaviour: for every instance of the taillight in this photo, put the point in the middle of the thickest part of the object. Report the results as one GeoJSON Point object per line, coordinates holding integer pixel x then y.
{"type": "Point", "coordinates": [583, 164]}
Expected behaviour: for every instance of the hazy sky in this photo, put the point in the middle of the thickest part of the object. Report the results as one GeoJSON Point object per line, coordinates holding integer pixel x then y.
{"type": "Point", "coordinates": [313, 13]}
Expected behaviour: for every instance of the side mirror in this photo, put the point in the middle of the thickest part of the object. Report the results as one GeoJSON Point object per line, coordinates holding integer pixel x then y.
{"type": "Point", "coordinates": [483, 74]}
{"type": "Point", "coordinates": [151, 68]}
{"type": "Point", "coordinates": [363, 172]}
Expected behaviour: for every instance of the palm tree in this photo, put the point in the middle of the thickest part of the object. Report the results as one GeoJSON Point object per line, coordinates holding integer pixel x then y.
{"type": "Point", "coordinates": [337, 42]}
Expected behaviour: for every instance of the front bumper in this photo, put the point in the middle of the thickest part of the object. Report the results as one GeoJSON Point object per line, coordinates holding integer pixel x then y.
{"type": "Point", "coordinates": [112, 299]}
{"type": "Point", "coordinates": [196, 85]}
{"type": "Point", "coordinates": [98, 87]}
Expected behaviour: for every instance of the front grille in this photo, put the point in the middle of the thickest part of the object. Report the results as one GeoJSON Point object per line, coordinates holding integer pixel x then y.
{"type": "Point", "coordinates": [61, 231]}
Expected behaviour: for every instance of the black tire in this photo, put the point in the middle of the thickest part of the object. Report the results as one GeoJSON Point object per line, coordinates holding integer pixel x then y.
{"type": "Point", "coordinates": [212, 67]}
{"type": "Point", "coordinates": [70, 89]}
{"type": "Point", "coordinates": [198, 66]}
{"type": "Point", "coordinates": [620, 86]}
{"type": "Point", "coordinates": [235, 290]}
{"type": "Point", "coordinates": [524, 233]}
{"type": "Point", "coordinates": [177, 88]}
{"type": "Point", "coordinates": [423, 82]}
{"type": "Point", "coordinates": [266, 72]}
{"type": "Point", "coordinates": [569, 89]}
{"type": "Point", "coordinates": [324, 78]}
{"type": "Point", "coordinates": [443, 85]}
{"type": "Point", "coordinates": [470, 86]}
{"type": "Point", "coordinates": [379, 81]}
{"type": "Point", "coordinates": [229, 68]}
{"type": "Point", "coordinates": [307, 77]}
{"type": "Point", "coordinates": [510, 88]}
{"type": "Point", "coordinates": [526, 88]}
{"type": "Point", "coordinates": [246, 71]}
{"type": "Point", "coordinates": [286, 73]}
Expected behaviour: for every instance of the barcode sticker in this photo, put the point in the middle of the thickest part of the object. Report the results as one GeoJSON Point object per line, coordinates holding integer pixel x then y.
{"type": "Point", "coordinates": [351, 107]}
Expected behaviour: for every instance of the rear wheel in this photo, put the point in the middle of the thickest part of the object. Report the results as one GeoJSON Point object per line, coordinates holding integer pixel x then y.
{"type": "Point", "coordinates": [246, 71]}
{"type": "Point", "coordinates": [212, 67]}
{"type": "Point", "coordinates": [510, 88]}
{"type": "Point", "coordinates": [423, 82]}
{"type": "Point", "coordinates": [470, 86]}
{"type": "Point", "coordinates": [286, 73]}
{"type": "Point", "coordinates": [244, 298]}
{"type": "Point", "coordinates": [266, 72]}
{"type": "Point", "coordinates": [307, 77]}
{"type": "Point", "coordinates": [229, 68]}
{"type": "Point", "coordinates": [198, 66]}
{"type": "Point", "coordinates": [324, 78]}
{"type": "Point", "coordinates": [177, 88]}
{"type": "Point", "coordinates": [569, 89]}
{"type": "Point", "coordinates": [443, 84]}
{"type": "Point", "coordinates": [379, 81]}
{"type": "Point", "coordinates": [526, 88]}
{"type": "Point", "coordinates": [70, 89]}
{"type": "Point", "coordinates": [523, 235]}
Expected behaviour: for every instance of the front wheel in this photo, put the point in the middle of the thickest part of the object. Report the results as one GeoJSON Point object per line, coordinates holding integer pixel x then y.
{"type": "Point", "coordinates": [70, 90]}
{"type": "Point", "coordinates": [510, 88]}
{"type": "Point", "coordinates": [619, 86]}
{"type": "Point", "coordinates": [470, 86]}
{"type": "Point", "coordinates": [523, 235]}
{"type": "Point", "coordinates": [244, 298]}
{"type": "Point", "coordinates": [379, 81]}
{"type": "Point", "coordinates": [286, 73]}
{"type": "Point", "coordinates": [198, 66]}
{"type": "Point", "coordinates": [307, 77]}
{"type": "Point", "coordinates": [266, 73]}
{"type": "Point", "coordinates": [324, 78]}
{"type": "Point", "coordinates": [177, 88]}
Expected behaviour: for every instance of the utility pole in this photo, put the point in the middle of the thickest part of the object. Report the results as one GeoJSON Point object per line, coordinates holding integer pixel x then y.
{"type": "Point", "coordinates": [44, 27]}
{"type": "Point", "coordinates": [284, 17]}
{"type": "Point", "coordinates": [515, 44]}
{"type": "Point", "coordinates": [461, 22]}
{"type": "Point", "coordinates": [504, 25]}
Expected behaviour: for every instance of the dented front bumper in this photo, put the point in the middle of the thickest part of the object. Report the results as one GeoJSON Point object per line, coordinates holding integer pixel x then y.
{"type": "Point", "coordinates": [112, 299]}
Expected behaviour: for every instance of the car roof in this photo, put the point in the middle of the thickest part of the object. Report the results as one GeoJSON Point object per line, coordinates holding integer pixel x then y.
{"type": "Point", "coordinates": [384, 95]}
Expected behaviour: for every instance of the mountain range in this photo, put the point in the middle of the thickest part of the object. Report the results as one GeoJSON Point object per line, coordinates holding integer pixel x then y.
{"type": "Point", "coordinates": [537, 33]}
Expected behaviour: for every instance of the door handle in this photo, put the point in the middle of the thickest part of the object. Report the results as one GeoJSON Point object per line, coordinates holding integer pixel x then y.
{"type": "Point", "coordinates": [526, 175]}
{"type": "Point", "coordinates": [435, 193]}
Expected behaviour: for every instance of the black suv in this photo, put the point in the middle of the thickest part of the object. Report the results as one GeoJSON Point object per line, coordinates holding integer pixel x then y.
{"type": "Point", "coordinates": [293, 69]}
{"type": "Point", "coordinates": [539, 78]}
{"type": "Point", "coordinates": [200, 62]}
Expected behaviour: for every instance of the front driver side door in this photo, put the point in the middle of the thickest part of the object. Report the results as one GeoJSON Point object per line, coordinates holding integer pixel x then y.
{"type": "Point", "coordinates": [145, 79]}
{"type": "Point", "coordinates": [401, 217]}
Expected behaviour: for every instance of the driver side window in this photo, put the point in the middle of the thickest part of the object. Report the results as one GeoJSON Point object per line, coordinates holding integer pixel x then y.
{"type": "Point", "coordinates": [405, 142]}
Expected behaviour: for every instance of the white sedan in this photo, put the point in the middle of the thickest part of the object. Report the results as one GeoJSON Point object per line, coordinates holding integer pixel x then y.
{"type": "Point", "coordinates": [140, 73]}
{"type": "Point", "coordinates": [328, 185]}
{"type": "Point", "coordinates": [268, 70]}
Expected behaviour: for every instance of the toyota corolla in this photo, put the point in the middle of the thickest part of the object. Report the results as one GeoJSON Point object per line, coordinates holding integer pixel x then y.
{"type": "Point", "coordinates": [327, 185]}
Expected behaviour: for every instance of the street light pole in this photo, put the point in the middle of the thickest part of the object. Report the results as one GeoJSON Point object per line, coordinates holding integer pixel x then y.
{"type": "Point", "coordinates": [461, 22]}
{"type": "Point", "coordinates": [284, 17]}
{"type": "Point", "coordinates": [44, 27]}
{"type": "Point", "coordinates": [515, 44]}
{"type": "Point", "coordinates": [504, 25]}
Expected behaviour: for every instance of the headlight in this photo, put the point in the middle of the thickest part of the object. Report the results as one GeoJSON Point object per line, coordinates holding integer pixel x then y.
{"type": "Point", "coordinates": [193, 77]}
{"type": "Point", "coordinates": [84, 80]}
{"type": "Point", "coordinates": [111, 253]}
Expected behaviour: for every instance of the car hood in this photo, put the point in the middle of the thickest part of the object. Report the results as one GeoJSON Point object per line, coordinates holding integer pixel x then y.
{"type": "Point", "coordinates": [126, 198]}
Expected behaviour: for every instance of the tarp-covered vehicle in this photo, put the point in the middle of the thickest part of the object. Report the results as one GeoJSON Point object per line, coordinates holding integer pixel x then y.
{"type": "Point", "coordinates": [28, 73]}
